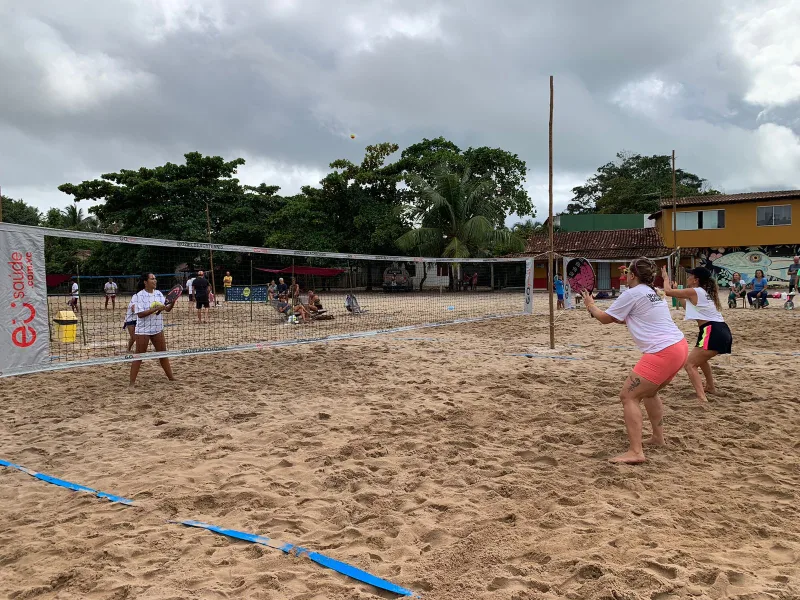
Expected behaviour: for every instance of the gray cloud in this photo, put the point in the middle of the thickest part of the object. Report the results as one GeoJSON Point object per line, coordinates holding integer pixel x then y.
{"type": "Point", "coordinates": [100, 86]}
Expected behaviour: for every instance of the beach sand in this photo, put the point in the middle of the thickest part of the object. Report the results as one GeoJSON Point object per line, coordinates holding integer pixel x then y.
{"type": "Point", "coordinates": [435, 459]}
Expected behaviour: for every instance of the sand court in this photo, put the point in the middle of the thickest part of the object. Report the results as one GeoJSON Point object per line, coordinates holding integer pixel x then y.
{"type": "Point", "coordinates": [437, 459]}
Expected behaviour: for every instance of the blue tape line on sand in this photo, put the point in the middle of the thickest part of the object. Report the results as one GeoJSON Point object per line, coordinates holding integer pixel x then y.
{"type": "Point", "coordinates": [299, 551]}
{"type": "Point", "coordinates": [286, 547]}
{"type": "Point", "coordinates": [547, 356]}
{"type": "Point", "coordinates": [67, 484]}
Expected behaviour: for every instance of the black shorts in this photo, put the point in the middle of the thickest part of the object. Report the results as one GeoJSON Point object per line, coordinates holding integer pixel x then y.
{"type": "Point", "coordinates": [191, 297]}
{"type": "Point", "coordinates": [128, 324]}
{"type": "Point", "coordinates": [202, 303]}
{"type": "Point", "coordinates": [715, 336]}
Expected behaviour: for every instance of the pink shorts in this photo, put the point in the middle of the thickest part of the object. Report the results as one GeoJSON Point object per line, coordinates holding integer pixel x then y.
{"type": "Point", "coordinates": [661, 367]}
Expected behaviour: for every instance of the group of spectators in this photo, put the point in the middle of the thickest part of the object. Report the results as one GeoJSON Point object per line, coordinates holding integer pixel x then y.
{"type": "Point", "coordinates": [757, 294]}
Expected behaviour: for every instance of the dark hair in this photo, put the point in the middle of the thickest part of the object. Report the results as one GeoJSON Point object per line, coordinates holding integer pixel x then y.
{"type": "Point", "coordinates": [762, 273]}
{"type": "Point", "coordinates": [709, 285]}
{"type": "Point", "coordinates": [645, 271]}
{"type": "Point", "coordinates": [142, 278]}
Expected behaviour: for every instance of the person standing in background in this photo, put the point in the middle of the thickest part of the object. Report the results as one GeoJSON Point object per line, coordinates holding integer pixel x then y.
{"type": "Point", "coordinates": [792, 271]}
{"type": "Point", "coordinates": [202, 290]}
{"type": "Point", "coordinates": [227, 282]}
{"type": "Point", "coordinates": [190, 291]}
{"type": "Point", "coordinates": [73, 301]}
{"type": "Point", "coordinates": [110, 289]}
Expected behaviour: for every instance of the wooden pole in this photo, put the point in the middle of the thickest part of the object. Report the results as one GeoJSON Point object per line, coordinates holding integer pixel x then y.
{"type": "Point", "coordinates": [251, 287]}
{"type": "Point", "coordinates": [674, 219]}
{"type": "Point", "coordinates": [208, 230]}
{"type": "Point", "coordinates": [550, 227]}
{"type": "Point", "coordinates": [80, 300]}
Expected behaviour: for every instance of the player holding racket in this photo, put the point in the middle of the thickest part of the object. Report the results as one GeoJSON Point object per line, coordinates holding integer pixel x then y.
{"type": "Point", "coordinates": [149, 303]}
{"type": "Point", "coordinates": [664, 353]}
{"type": "Point", "coordinates": [701, 298]}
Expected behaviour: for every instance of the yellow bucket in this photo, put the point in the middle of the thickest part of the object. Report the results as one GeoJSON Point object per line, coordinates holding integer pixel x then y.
{"type": "Point", "coordinates": [66, 326]}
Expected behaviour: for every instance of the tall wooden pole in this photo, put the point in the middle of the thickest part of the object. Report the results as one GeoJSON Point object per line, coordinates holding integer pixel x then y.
{"type": "Point", "coordinates": [208, 230]}
{"type": "Point", "coordinates": [550, 256]}
{"type": "Point", "coordinates": [674, 218]}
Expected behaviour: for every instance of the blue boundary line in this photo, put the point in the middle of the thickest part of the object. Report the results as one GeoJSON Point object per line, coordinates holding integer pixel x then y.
{"type": "Point", "coordinates": [67, 484]}
{"type": "Point", "coordinates": [286, 547]}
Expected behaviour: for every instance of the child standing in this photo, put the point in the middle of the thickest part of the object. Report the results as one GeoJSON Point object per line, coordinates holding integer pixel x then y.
{"type": "Point", "coordinates": [559, 287]}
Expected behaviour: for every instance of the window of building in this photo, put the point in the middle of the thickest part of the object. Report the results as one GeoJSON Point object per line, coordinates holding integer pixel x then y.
{"type": "Point", "coordinates": [700, 219]}
{"type": "Point", "coordinates": [768, 216]}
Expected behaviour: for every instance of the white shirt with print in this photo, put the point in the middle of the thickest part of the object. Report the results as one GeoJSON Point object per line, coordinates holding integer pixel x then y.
{"type": "Point", "coordinates": [151, 324]}
{"type": "Point", "coordinates": [648, 319]}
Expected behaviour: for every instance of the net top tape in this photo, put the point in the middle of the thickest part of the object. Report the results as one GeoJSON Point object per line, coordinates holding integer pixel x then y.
{"type": "Point", "coordinates": [124, 239]}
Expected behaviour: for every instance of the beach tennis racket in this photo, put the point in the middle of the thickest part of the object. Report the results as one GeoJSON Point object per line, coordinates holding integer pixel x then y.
{"type": "Point", "coordinates": [173, 295]}
{"type": "Point", "coordinates": [580, 275]}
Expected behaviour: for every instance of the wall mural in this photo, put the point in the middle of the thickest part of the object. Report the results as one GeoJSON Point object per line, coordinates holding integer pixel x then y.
{"type": "Point", "coordinates": [773, 260]}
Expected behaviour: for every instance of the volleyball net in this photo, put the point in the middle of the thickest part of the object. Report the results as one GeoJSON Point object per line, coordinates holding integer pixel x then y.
{"type": "Point", "coordinates": [67, 294]}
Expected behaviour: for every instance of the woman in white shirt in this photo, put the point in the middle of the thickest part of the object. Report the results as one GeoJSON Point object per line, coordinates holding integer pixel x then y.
{"type": "Point", "coordinates": [130, 324]}
{"type": "Point", "coordinates": [664, 349]}
{"type": "Point", "coordinates": [148, 304]}
{"type": "Point", "coordinates": [701, 298]}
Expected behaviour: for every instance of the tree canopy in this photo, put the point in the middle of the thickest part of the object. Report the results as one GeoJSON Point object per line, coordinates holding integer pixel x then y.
{"type": "Point", "coordinates": [425, 160]}
{"type": "Point", "coordinates": [17, 211]}
{"type": "Point", "coordinates": [634, 184]}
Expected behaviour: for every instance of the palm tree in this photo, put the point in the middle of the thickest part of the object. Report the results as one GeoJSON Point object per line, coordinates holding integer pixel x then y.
{"type": "Point", "coordinates": [75, 219]}
{"type": "Point", "coordinates": [455, 220]}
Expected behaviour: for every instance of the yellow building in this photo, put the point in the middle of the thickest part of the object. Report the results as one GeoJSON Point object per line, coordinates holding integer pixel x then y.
{"type": "Point", "coordinates": [757, 219]}
{"type": "Point", "coordinates": [736, 232]}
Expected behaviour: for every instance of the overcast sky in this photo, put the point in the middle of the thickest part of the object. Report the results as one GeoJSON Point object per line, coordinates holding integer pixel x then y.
{"type": "Point", "coordinates": [92, 86]}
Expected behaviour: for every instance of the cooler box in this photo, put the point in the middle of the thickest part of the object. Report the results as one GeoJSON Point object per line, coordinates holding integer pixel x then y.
{"type": "Point", "coordinates": [66, 326]}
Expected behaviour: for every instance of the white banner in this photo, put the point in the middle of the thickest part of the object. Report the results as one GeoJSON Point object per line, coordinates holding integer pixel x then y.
{"type": "Point", "coordinates": [528, 287]}
{"type": "Point", "coordinates": [24, 334]}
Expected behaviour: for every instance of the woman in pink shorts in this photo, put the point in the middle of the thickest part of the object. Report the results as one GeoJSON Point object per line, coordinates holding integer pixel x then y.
{"type": "Point", "coordinates": [664, 349]}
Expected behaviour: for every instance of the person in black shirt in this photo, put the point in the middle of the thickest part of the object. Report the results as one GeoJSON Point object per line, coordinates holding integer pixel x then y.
{"type": "Point", "coordinates": [201, 296]}
{"type": "Point", "coordinates": [282, 287]}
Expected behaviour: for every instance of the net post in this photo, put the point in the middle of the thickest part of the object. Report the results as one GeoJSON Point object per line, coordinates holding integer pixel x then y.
{"type": "Point", "coordinates": [550, 227]}
{"type": "Point", "coordinates": [80, 301]}
{"type": "Point", "coordinates": [251, 287]}
{"type": "Point", "coordinates": [211, 251]}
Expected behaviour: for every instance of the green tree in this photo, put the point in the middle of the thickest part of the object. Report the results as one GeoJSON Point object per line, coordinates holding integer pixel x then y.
{"type": "Point", "coordinates": [17, 211]}
{"type": "Point", "coordinates": [167, 201]}
{"type": "Point", "coordinates": [357, 209]}
{"type": "Point", "coordinates": [634, 184]}
{"type": "Point", "coordinates": [455, 220]}
{"type": "Point", "coordinates": [73, 217]}
{"type": "Point", "coordinates": [506, 172]}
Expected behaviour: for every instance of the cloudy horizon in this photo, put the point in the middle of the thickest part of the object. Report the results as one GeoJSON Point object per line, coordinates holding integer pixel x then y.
{"type": "Point", "coordinates": [96, 87]}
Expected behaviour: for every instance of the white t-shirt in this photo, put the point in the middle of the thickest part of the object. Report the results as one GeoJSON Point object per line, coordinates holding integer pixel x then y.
{"type": "Point", "coordinates": [74, 290]}
{"type": "Point", "coordinates": [143, 301]}
{"type": "Point", "coordinates": [110, 288]}
{"type": "Point", "coordinates": [648, 319]}
{"type": "Point", "coordinates": [704, 310]}
{"type": "Point", "coordinates": [190, 286]}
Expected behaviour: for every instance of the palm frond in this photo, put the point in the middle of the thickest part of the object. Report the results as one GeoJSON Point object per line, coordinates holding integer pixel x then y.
{"type": "Point", "coordinates": [456, 249]}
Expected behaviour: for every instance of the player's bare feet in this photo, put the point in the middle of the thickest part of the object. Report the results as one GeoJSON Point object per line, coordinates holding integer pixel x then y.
{"type": "Point", "coordinates": [655, 441]}
{"type": "Point", "coordinates": [629, 458]}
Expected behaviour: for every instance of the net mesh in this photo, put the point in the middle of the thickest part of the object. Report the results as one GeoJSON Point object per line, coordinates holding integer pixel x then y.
{"type": "Point", "coordinates": [269, 297]}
